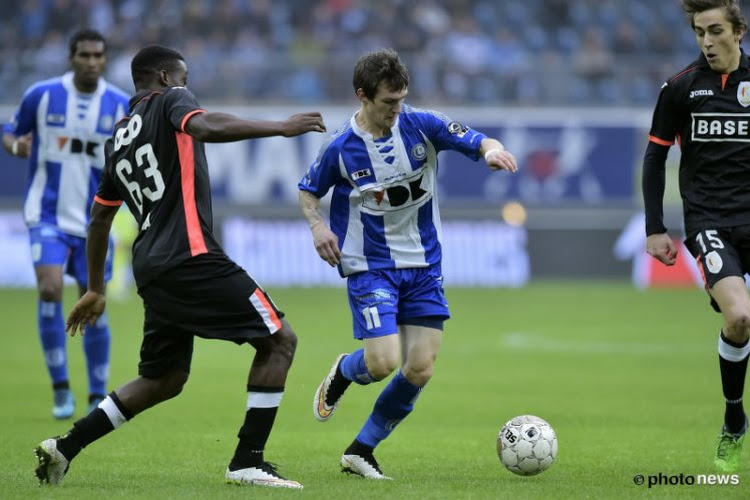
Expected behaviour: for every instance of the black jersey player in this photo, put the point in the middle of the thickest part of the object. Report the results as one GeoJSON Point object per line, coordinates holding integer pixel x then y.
{"type": "Point", "coordinates": [706, 108]}
{"type": "Point", "coordinates": [155, 163]}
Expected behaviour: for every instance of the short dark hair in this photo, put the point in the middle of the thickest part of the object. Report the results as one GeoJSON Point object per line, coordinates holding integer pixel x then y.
{"type": "Point", "coordinates": [380, 66]}
{"type": "Point", "coordinates": [151, 59]}
{"type": "Point", "coordinates": [731, 7]}
{"type": "Point", "coordinates": [85, 35]}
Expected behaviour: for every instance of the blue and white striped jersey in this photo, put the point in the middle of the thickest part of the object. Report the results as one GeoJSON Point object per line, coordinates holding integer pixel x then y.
{"type": "Point", "coordinates": [69, 130]}
{"type": "Point", "coordinates": [384, 206]}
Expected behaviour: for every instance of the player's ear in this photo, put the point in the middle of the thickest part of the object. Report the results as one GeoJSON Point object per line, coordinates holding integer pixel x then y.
{"type": "Point", "coordinates": [361, 95]}
{"type": "Point", "coordinates": [164, 77]}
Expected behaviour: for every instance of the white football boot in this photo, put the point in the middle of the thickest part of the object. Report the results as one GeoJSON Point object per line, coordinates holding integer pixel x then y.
{"type": "Point", "coordinates": [263, 475]}
{"type": "Point", "coordinates": [366, 467]}
{"type": "Point", "coordinates": [52, 464]}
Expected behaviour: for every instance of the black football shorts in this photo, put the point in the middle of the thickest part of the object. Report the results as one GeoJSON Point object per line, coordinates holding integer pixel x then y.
{"type": "Point", "coordinates": [208, 296]}
{"type": "Point", "coordinates": [720, 253]}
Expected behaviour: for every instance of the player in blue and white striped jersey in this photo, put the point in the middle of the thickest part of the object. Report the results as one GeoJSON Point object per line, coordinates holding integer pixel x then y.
{"type": "Point", "coordinates": [61, 126]}
{"type": "Point", "coordinates": [384, 237]}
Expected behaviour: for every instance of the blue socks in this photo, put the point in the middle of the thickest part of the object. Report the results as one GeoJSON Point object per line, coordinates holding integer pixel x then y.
{"type": "Point", "coordinates": [96, 346]}
{"type": "Point", "coordinates": [52, 336]}
{"type": "Point", "coordinates": [393, 405]}
{"type": "Point", "coordinates": [353, 368]}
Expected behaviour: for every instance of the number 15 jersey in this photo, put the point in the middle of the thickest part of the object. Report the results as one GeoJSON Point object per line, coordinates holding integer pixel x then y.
{"type": "Point", "coordinates": [160, 171]}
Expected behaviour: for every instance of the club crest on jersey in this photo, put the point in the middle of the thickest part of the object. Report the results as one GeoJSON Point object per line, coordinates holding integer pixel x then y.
{"type": "Point", "coordinates": [457, 129]}
{"type": "Point", "coordinates": [714, 262]}
{"type": "Point", "coordinates": [743, 94]}
{"type": "Point", "coordinates": [419, 151]}
{"type": "Point", "coordinates": [361, 173]}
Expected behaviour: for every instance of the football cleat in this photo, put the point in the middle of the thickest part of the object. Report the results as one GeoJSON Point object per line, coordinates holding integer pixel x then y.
{"type": "Point", "coordinates": [362, 465]}
{"type": "Point", "coordinates": [322, 410]}
{"type": "Point", "coordinates": [263, 475]}
{"type": "Point", "coordinates": [729, 449]}
{"type": "Point", "coordinates": [52, 464]}
{"type": "Point", "coordinates": [64, 404]}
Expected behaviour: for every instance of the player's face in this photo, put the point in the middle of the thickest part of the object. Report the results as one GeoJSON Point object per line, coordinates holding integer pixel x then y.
{"type": "Point", "coordinates": [717, 40]}
{"type": "Point", "coordinates": [88, 63]}
{"type": "Point", "coordinates": [384, 108]}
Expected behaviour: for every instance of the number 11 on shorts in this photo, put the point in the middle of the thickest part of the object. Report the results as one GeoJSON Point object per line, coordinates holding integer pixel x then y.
{"type": "Point", "coordinates": [371, 317]}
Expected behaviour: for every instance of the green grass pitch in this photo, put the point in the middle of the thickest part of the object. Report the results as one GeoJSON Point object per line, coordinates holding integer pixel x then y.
{"type": "Point", "coordinates": [628, 379]}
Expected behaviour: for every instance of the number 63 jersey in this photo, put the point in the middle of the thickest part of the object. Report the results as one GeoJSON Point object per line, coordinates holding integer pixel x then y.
{"type": "Point", "coordinates": [160, 171]}
{"type": "Point", "coordinates": [384, 207]}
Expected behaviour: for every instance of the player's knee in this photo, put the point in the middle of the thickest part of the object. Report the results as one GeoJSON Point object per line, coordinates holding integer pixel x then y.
{"type": "Point", "coordinates": [381, 365]}
{"type": "Point", "coordinates": [172, 384]}
{"type": "Point", "coordinates": [418, 373]}
{"type": "Point", "coordinates": [286, 344]}
{"type": "Point", "coordinates": [49, 291]}
{"type": "Point", "coordinates": [738, 324]}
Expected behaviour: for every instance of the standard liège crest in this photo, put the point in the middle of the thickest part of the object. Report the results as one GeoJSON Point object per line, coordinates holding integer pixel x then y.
{"type": "Point", "coordinates": [743, 94]}
{"type": "Point", "coordinates": [714, 262]}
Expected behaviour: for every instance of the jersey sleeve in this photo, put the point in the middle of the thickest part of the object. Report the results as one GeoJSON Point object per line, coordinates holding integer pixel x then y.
{"type": "Point", "coordinates": [180, 106]}
{"type": "Point", "coordinates": [24, 119]}
{"type": "Point", "coordinates": [448, 134]}
{"type": "Point", "coordinates": [664, 125]}
{"type": "Point", "coordinates": [324, 173]}
{"type": "Point", "coordinates": [107, 193]}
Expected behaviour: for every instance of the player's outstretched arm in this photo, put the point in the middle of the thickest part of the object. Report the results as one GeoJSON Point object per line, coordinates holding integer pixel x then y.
{"type": "Point", "coordinates": [224, 127]}
{"type": "Point", "coordinates": [326, 243]}
{"type": "Point", "coordinates": [91, 305]}
{"type": "Point", "coordinates": [496, 156]}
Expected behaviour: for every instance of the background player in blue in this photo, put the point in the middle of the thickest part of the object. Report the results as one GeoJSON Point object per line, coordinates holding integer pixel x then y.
{"type": "Point", "coordinates": [705, 106]}
{"type": "Point", "coordinates": [385, 238]}
{"type": "Point", "coordinates": [61, 126]}
{"type": "Point", "coordinates": [156, 163]}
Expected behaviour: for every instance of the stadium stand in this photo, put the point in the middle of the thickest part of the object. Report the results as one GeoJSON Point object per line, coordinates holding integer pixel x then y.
{"type": "Point", "coordinates": [515, 52]}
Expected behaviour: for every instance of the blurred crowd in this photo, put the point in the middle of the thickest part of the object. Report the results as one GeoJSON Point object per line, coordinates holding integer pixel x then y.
{"type": "Point", "coordinates": [474, 52]}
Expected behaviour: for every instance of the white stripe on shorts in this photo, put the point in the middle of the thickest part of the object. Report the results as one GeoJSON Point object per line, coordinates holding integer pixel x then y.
{"type": "Point", "coordinates": [265, 310]}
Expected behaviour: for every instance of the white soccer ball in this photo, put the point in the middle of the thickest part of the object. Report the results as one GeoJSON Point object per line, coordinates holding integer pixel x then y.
{"type": "Point", "coordinates": [527, 445]}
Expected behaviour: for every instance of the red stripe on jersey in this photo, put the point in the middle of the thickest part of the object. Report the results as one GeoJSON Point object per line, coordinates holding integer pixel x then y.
{"type": "Point", "coordinates": [271, 313]}
{"type": "Point", "coordinates": [724, 78]}
{"type": "Point", "coordinates": [187, 171]}
{"type": "Point", "coordinates": [189, 116]}
{"type": "Point", "coordinates": [688, 70]}
{"type": "Point", "coordinates": [658, 141]}
{"type": "Point", "coordinates": [108, 203]}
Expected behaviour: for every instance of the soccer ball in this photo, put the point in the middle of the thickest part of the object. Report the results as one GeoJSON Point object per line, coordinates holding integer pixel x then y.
{"type": "Point", "coordinates": [527, 445]}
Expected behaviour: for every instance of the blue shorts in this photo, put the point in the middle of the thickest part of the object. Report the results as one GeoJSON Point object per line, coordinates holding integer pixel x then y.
{"type": "Point", "coordinates": [52, 247]}
{"type": "Point", "coordinates": [381, 300]}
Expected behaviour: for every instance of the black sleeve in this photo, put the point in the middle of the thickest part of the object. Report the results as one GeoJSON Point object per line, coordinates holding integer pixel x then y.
{"type": "Point", "coordinates": [107, 190]}
{"type": "Point", "coordinates": [180, 104]}
{"type": "Point", "coordinates": [654, 162]}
